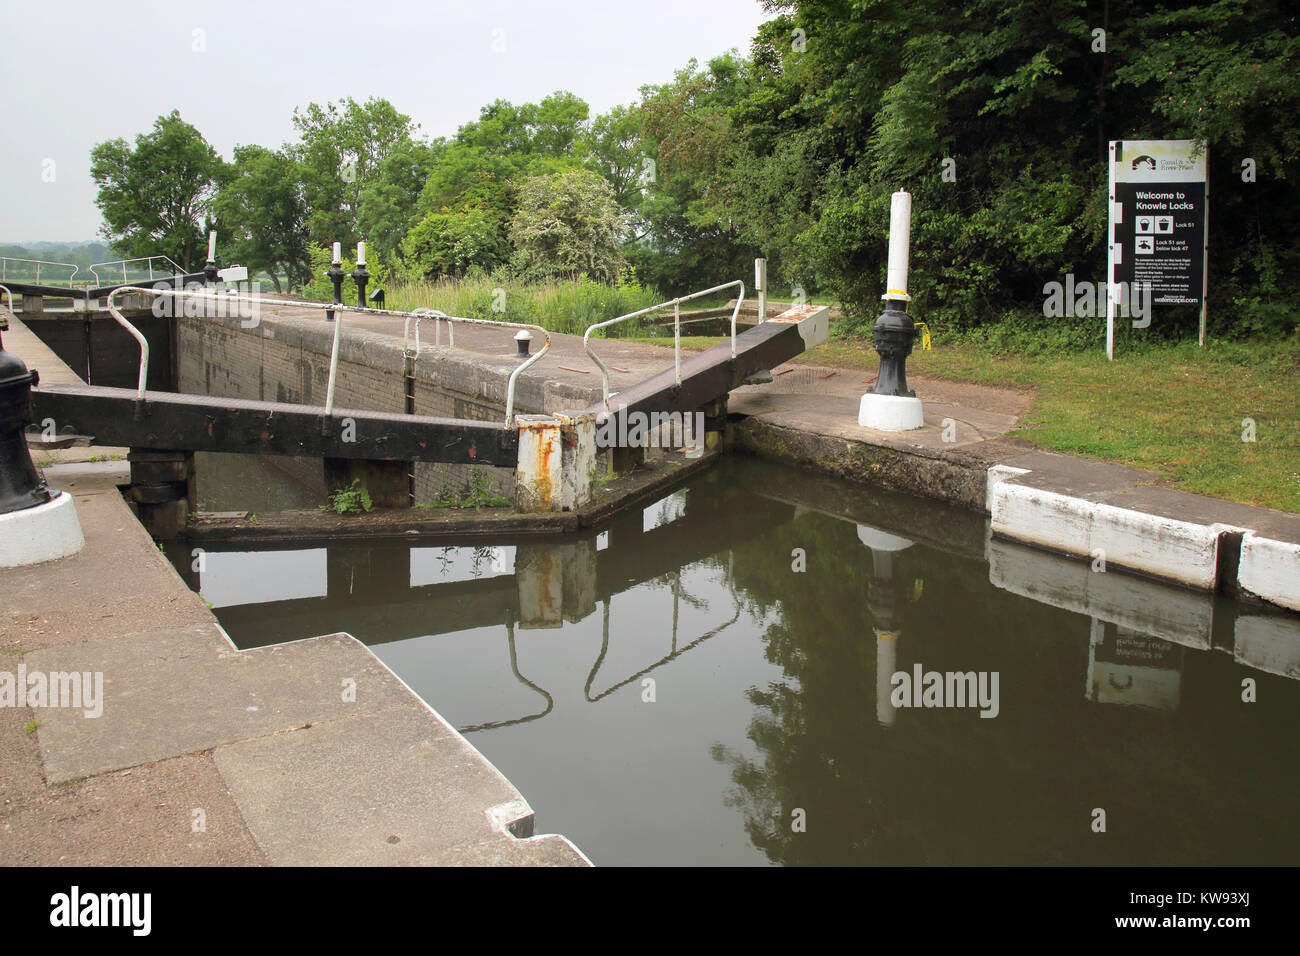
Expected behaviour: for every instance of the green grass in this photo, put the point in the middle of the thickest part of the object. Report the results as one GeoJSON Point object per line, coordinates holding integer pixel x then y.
{"type": "Point", "coordinates": [568, 306]}
{"type": "Point", "coordinates": [1175, 409]}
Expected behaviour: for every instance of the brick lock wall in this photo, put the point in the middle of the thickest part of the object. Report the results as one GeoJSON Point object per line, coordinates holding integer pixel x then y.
{"type": "Point", "coordinates": [287, 360]}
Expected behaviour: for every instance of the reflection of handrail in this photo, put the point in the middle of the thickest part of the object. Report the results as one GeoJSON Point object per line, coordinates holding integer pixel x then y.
{"type": "Point", "coordinates": [148, 260]}
{"type": "Point", "coordinates": [677, 331]}
{"type": "Point", "coordinates": [5, 260]}
{"type": "Point", "coordinates": [335, 307]}
{"type": "Point", "coordinates": [675, 653]}
{"type": "Point", "coordinates": [514, 666]}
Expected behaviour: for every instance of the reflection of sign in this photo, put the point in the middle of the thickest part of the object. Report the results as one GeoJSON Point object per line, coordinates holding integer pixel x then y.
{"type": "Point", "coordinates": [1134, 669]}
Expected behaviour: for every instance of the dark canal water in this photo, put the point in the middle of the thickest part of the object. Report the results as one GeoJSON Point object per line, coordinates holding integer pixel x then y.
{"type": "Point", "coordinates": [670, 690]}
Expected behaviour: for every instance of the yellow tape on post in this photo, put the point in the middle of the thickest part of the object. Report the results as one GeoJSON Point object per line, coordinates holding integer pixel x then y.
{"type": "Point", "coordinates": [925, 334]}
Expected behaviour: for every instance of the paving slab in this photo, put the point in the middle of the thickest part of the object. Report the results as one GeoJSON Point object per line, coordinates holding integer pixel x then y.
{"type": "Point", "coordinates": [21, 776]}
{"type": "Point", "coordinates": [825, 401]}
{"type": "Point", "coordinates": [117, 584]}
{"type": "Point", "coordinates": [399, 787]}
{"type": "Point", "coordinates": [186, 689]}
{"type": "Point", "coordinates": [142, 816]}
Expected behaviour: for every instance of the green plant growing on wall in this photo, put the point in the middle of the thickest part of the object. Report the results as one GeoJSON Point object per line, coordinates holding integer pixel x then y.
{"type": "Point", "coordinates": [351, 500]}
{"type": "Point", "coordinates": [481, 494]}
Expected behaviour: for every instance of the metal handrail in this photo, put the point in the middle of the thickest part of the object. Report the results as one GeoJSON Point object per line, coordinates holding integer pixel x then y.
{"type": "Point", "coordinates": [335, 307]}
{"type": "Point", "coordinates": [5, 260]}
{"type": "Point", "coordinates": [176, 270]}
{"type": "Point", "coordinates": [417, 314]}
{"type": "Point", "coordinates": [10, 296]}
{"type": "Point", "coordinates": [677, 331]}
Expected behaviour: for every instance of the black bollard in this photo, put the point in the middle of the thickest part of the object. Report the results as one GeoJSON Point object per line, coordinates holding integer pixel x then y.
{"type": "Point", "coordinates": [893, 336]}
{"type": "Point", "coordinates": [337, 275]}
{"type": "Point", "coordinates": [20, 486]}
{"type": "Point", "coordinates": [361, 277]}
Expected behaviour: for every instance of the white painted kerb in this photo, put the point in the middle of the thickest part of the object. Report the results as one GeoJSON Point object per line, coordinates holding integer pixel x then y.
{"type": "Point", "coordinates": [1165, 547]}
{"type": "Point", "coordinates": [1270, 569]}
{"type": "Point", "coordinates": [39, 534]}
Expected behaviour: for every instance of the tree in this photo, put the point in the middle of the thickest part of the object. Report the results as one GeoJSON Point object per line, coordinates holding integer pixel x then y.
{"type": "Point", "coordinates": [568, 223]}
{"type": "Point", "coordinates": [1021, 98]}
{"type": "Point", "coordinates": [156, 197]}
{"type": "Point", "coordinates": [261, 210]}
{"type": "Point", "coordinates": [341, 149]}
{"type": "Point", "coordinates": [613, 147]}
{"type": "Point", "coordinates": [451, 244]}
{"type": "Point", "coordinates": [692, 239]}
{"type": "Point", "coordinates": [388, 208]}
{"type": "Point", "coordinates": [472, 190]}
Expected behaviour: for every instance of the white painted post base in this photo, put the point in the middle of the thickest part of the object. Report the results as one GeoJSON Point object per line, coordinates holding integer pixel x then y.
{"type": "Point", "coordinates": [39, 534]}
{"type": "Point", "coordinates": [890, 413]}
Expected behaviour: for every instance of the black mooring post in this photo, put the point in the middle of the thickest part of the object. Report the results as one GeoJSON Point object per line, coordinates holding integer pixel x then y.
{"type": "Point", "coordinates": [337, 275]}
{"type": "Point", "coordinates": [893, 336]}
{"type": "Point", "coordinates": [20, 486]}
{"type": "Point", "coordinates": [361, 277]}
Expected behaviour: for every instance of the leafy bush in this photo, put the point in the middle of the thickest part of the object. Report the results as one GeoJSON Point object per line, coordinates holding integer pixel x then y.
{"type": "Point", "coordinates": [351, 500]}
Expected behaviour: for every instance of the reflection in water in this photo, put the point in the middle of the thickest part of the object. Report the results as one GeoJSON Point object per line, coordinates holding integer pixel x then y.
{"type": "Point", "coordinates": [514, 669]}
{"type": "Point", "coordinates": [783, 703]}
{"type": "Point", "coordinates": [678, 596]}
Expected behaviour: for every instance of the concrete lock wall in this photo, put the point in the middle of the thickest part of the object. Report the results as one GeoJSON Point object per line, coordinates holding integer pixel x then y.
{"type": "Point", "coordinates": [287, 360]}
{"type": "Point", "coordinates": [101, 352]}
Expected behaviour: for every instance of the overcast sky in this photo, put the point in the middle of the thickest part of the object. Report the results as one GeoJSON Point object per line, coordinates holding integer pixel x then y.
{"type": "Point", "coordinates": [77, 73]}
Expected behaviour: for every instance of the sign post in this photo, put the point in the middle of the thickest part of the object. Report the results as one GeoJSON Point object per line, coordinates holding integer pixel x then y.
{"type": "Point", "coordinates": [1158, 236]}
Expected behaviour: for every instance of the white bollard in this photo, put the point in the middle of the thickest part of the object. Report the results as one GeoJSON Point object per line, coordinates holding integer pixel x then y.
{"type": "Point", "coordinates": [895, 413]}
{"type": "Point", "coordinates": [900, 239]}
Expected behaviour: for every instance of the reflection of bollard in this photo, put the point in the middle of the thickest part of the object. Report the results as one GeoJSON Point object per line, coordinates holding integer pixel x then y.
{"type": "Point", "coordinates": [20, 486]}
{"type": "Point", "coordinates": [882, 603]}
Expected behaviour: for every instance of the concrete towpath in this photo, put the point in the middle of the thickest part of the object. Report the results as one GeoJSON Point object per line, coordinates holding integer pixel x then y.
{"type": "Point", "coordinates": [807, 416]}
